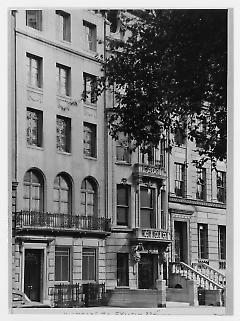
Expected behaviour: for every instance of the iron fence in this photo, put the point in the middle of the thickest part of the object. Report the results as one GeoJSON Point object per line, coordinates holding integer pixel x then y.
{"type": "Point", "coordinates": [28, 219]}
{"type": "Point", "coordinates": [76, 295]}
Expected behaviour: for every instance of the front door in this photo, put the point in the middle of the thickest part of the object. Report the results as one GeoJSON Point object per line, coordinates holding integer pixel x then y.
{"type": "Point", "coordinates": [181, 245]}
{"type": "Point", "coordinates": [33, 273]}
{"type": "Point", "coordinates": [147, 271]}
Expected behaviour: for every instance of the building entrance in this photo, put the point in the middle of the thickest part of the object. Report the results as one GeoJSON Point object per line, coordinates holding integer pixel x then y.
{"type": "Point", "coordinates": [180, 243]}
{"type": "Point", "coordinates": [147, 271]}
{"type": "Point", "coordinates": [33, 273]}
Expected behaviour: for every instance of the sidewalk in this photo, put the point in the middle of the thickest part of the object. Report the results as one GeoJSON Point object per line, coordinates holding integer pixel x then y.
{"type": "Point", "coordinates": [173, 308]}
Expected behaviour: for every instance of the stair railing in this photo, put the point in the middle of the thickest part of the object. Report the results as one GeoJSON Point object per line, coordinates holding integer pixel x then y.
{"type": "Point", "coordinates": [190, 273]}
{"type": "Point", "coordinates": [210, 272]}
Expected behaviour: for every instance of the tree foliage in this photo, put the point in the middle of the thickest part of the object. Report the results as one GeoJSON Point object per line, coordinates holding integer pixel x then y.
{"type": "Point", "coordinates": [171, 70]}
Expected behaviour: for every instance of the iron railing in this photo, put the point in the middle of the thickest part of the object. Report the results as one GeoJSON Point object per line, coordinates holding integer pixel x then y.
{"type": "Point", "coordinates": [94, 294]}
{"type": "Point", "coordinates": [211, 273]}
{"type": "Point", "coordinates": [46, 220]}
{"type": "Point", "coordinates": [187, 271]}
{"type": "Point", "coordinates": [222, 265]}
{"type": "Point", "coordinates": [68, 296]}
{"type": "Point", "coordinates": [76, 295]}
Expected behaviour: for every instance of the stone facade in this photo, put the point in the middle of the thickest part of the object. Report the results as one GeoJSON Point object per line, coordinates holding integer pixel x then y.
{"type": "Point", "coordinates": [158, 226]}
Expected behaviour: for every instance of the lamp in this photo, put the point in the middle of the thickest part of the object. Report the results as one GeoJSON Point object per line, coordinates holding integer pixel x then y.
{"type": "Point", "coordinates": [124, 181]}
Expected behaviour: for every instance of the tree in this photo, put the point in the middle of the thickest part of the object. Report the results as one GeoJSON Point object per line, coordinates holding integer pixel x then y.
{"type": "Point", "coordinates": [171, 71]}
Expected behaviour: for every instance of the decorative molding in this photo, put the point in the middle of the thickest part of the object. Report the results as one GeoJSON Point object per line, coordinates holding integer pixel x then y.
{"type": "Point", "coordinates": [63, 104]}
{"type": "Point", "coordinates": [14, 185]}
{"type": "Point", "coordinates": [182, 216]}
{"type": "Point", "coordinates": [34, 96]}
{"type": "Point", "coordinates": [90, 112]}
{"type": "Point", "coordinates": [180, 212]}
{"type": "Point", "coordinates": [175, 199]}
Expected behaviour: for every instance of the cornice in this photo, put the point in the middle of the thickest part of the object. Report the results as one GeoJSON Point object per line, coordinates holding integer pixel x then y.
{"type": "Point", "coordinates": [175, 199]}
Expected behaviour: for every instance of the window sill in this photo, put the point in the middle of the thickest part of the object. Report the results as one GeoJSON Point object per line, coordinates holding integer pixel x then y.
{"type": "Point", "coordinates": [35, 147]}
{"type": "Point", "coordinates": [90, 158]}
{"type": "Point", "coordinates": [66, 42]}
{"type": "Point", "coordinates": [38, 90]}
{"type": "Point", "coordinates": [63, 153]}
{"type": "Point", "coordinates": [122, 163]}
{"type": "Point", "coordinates": [90, 51]}
{"type": "Point", "coordinates": [69, 98]}
{"type": "Point", "coordinates": [119, 228]}
{"type": "Point", "coordinates": [90, 105]}
{"type": "Point", "coordinates": [31, 28]}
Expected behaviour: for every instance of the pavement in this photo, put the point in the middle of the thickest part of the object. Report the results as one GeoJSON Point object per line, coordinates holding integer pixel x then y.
{"type": "Point", "coordinates": [173, 308]}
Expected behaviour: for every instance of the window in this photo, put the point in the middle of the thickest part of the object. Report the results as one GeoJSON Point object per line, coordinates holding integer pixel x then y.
{"type": "Point", "coordinates": [34, 19]}
{"type": "Point", "coordinates": [123, 153]}
{"type": "Point", "coordinates": [89, 264]}
{"type": "Point", "coordinates": [201, 131]}
{"type": "Point", "coordinates": [33, 191]}
{"type": "Point", "coordinates": [90, 148]}
{"type": "Point", "coordinates": [34, 127]}
{"type": "Point", "coordinates": [147, 207]}
{"type": "Point", "coordinates": [63, 134]}
{"type": "Point", "coordinates": [122, 269]}
{"type": "Point", "coordinates": [122, 204]}
{"type": "Point", "coordinates": [63, 80]}
{"type": "Point", "coordinates": [201, 184]}
{"type": "Point", "coordinates": [202, 241]}
{"type": "Point", "coordinates": [162, 153]}
{"type": "Point", "coordinates": [88, 198]}
{"type": "Point", "coordinates": [62, 264]}
{"type": "Point", "coordinates": [221, 186]}
{"type": "Point", "coordinates": [154, 156]}
{"type": "Point", "coordinates": [222, 242]}
{"type": "Point", "coordinates": [149, 157]}
{"type": "Point", "coordinates": [179, 179]}
{"type": "Point", "coordinates": [90, 36]}
{"type": "Point", "coordinates": [179, 136]}
{"type": "Point", "coordinates": [90, 94]}
{"type": "Point", "coordinates": [62, 195]}
{"type": "Point", "coordinates": [34, 71]}
{"type": "Point", "coordinates": [64, 25]}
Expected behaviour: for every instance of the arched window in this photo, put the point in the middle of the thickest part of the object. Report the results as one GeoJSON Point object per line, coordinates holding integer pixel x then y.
{"type": "Point", "coordinates": [62, 195]}
{"type": "Point", "coordinates": [88, 198]}
{"type": "Point", "coordinates": [33, 191]}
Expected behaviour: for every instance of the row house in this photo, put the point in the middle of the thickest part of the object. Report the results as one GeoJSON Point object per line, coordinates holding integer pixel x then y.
{"type": "Point", "coordinates": [84, 208]}
{"type": "Point", "coordinates": [60, 223]}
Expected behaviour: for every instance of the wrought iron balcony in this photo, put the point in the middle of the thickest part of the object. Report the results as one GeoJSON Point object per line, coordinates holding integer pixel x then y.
{"type": "Point", "coordinates": [153, 171]}
{"type": "Point", "coordinates": [152, 234]}
{"type": "Point", "coordinates": [32, 220]}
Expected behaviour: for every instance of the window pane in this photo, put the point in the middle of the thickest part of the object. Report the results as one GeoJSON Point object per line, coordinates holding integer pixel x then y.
{"type": "Point", "coordinates": [146, 198]}
{"type": "Point", "coordinates": [146, 218]}
{"type": "Point", "coordinates": [122, 216]}
{"type": "Point", "coordinates": [64, 196]}
{"type": "Point", "coordinates": [26, 191]}
{"type": "Point", "coordinates": [62, 263]}
{"type": "Point", "coordinates": [89, 264]}
{"type": "Point", "coordinates": [55, 207]}
{"type": "Point", "coordinates": [64, 208]}
{"type": "Point", "coordinates": [65, 268]}
{"type": "Point", "coordinates": [55, 194]}
{"type": "Point", "coordinates": [122, 269]}
{"type": "Point", "coordinates": [122, 196]}
{"type": "Point", "coordinates": [58, 268]}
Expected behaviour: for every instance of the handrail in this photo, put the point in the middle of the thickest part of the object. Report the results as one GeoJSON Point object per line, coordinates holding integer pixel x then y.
{"type": "Point", "coordinates": [208, 267]}
{"type": "Point", "coordinates": [210, 272]}
{"type": "Point", "coordinates": [192, 274]}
